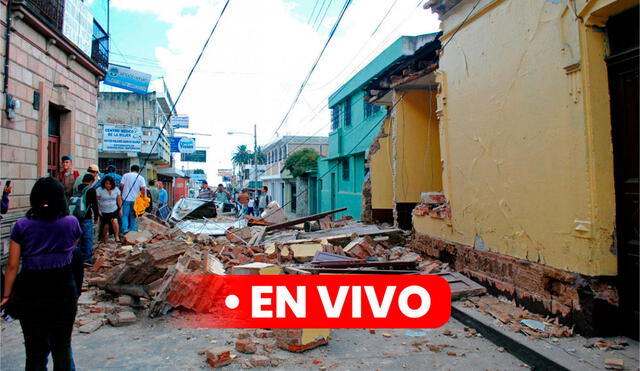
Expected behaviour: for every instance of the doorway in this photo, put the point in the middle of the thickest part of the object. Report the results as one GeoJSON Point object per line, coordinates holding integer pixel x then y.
{"type": "Point", "coordinates": [622, 65]}
{"type": "Point", "coordinates": [53, 148]}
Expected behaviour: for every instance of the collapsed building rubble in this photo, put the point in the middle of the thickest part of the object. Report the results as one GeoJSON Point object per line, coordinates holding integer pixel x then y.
{"type": "Point", "coordinates": [143, 277]}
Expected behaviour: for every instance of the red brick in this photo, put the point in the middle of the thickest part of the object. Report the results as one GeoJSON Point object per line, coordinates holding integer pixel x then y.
{"type": "Point", "coordinates": [260, 361]}
{"type": "Point", "coordinates": [261, 258]}
{"type": "Point", "coordinates": [263, 333]}
{"type": "Point", "coordinates": [218, 357]}
{"type": "Point", "coordinates": [246, 346]}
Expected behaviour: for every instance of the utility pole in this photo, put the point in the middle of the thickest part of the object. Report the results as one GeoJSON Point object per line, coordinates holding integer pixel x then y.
{"type": "Point", "coordinates": [255, 160]}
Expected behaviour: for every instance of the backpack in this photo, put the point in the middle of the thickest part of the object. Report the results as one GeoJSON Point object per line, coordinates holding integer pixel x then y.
{"type": "Point", "coordinates": [78, 203]}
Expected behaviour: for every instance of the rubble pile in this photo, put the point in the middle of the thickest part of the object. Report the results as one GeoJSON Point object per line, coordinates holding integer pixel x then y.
{"type": "Point", "coordinates": [519, 319]}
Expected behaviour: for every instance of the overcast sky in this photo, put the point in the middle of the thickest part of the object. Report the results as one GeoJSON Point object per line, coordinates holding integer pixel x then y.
{"type": "Point", "coordinates": [256, 60]}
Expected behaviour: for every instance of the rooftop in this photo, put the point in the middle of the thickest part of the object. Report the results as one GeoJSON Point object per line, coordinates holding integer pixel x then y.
{"type": "Point", "coordinates": [403, 47]}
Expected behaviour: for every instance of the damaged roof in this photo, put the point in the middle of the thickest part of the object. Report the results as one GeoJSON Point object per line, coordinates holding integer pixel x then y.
{"type": "Point", "coordinates": [402, 48]}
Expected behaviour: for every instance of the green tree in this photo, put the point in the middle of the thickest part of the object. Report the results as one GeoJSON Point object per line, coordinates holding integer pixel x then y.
{"type": "Point", "coordinates": [197, 171]}
{"type": "Point", "coordinates": [262, 158]}
{"type": "Point", "coordinates": [301, 161]}
{"type": "Point", "coordinates": [241, 157]}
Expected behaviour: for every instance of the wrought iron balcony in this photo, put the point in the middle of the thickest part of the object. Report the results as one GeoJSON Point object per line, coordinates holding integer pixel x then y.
{"type": "Point", "coordinates": [51, 13]}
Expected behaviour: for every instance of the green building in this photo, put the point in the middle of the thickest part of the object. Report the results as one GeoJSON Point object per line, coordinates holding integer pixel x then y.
{"type": "Point", "coordinates": [354, 125]}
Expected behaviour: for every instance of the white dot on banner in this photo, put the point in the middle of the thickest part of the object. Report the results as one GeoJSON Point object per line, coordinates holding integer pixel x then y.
{"type": "Point", "coordinates": [232, 301]}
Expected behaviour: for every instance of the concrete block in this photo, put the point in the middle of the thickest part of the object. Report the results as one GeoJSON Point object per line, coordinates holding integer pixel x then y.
{"type": "Point", "coordinates": [256, 268]}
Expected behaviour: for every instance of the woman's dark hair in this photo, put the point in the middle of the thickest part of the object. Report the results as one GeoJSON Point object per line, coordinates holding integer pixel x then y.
{"type": "Point", "coordinates": [47, 200]}
{"type": "Point", "coordinates": [109, 179]}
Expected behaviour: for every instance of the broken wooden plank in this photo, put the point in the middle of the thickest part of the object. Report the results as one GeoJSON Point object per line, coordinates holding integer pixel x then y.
{"type": "Point", "coordinates": [296, 271]}
{"type": "Point", "coordinates": [291, 223]}
{"type": "Point", "coordinates": [461, 285]}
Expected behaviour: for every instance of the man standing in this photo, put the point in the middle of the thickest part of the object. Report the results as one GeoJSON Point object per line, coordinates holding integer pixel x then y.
{"type": "Point", "coordinates": [154, 196]}
{"type": "Point", "coordinates": [206, 193]}
{"type": "Point", "coordinates": [163, 201]}
{"type": "Point", "coordinates": [264, 200]}
{"type": "Point", "coordinates": [222, 195]}
{"type": "Point", "coordinates": [94, 171]}
{"type": "Point", "coordinates": [131, 184]}
{"type": "Point", "coordinates": [68, 176]}
{"type": "Point", "coordinates": [243, 198]}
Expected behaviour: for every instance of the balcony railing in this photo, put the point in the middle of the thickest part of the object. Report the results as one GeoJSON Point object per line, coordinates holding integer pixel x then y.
{"type": "Point", "coordinates": [51, 12]}
{"type": "Point", "coordinates": [100, 46]}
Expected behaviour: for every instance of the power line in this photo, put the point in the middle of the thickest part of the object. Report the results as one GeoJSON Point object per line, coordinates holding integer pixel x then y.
{"type": "Point", "coordinates": [319, 12]}
{"type": "Point", "coordinates": [315, 64]}
{"type": "Point", "coordinates": [324, 15]}
{"type": "Point", "coordinates": [315, 5]}
{"type": "Point", "coordinates": [461, 24]}
{"type": "Point", "coordinates": [204, 47]}
{"type": "Point", "coordinates": [385, 17]}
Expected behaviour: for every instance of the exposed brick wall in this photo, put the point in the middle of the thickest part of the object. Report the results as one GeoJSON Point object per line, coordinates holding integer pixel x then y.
{"type": "Point", "coordinates": [35, 66]}
{"type": "Point", "coordinates": [589, 303]}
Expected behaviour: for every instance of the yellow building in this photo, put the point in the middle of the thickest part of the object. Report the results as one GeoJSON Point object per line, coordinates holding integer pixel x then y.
{"type": "Point", "coordinates": [404, 160]}
{"type": "Point", "coordinates": [537, 106]}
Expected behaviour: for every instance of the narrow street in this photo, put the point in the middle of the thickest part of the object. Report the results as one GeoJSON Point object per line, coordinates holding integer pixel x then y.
{"type": "Point", "coordinates": [320, 185]}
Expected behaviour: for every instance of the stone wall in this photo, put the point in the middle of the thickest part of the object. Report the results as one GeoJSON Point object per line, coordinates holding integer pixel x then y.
{"type": "Point", "coordinates": [39, 67]}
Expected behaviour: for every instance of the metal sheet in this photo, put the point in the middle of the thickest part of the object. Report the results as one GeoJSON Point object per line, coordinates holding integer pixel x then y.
{"type": "Point", "coordinates": [210, 228]}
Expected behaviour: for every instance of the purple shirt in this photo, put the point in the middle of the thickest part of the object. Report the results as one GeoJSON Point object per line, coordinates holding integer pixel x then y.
{"type": "Point", "coordinates": [46, 244]}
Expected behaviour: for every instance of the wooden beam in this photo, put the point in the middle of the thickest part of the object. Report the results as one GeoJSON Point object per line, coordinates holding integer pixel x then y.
{"type": "Point", "coordinates": [293, 222]}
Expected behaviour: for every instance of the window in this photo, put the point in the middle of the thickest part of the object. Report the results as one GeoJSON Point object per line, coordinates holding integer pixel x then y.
{"type": "Point", "coordinates": [345, 168]}
{"type": "Point", "coordinates": [347, 112]}
{"type": "Point", "coordinates": [370, 109]}
{"type": "Point", "coordinates": [335, 118]}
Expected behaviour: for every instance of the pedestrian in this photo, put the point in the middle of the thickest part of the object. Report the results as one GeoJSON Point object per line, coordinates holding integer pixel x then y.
{"type": "Point", "coordinates": [44, 294]}
{"type": "Point", "coordinates": [68, 176]}
{"type": "Point", "coordinates": [222, 195]}
{"type": "Point", "coordinates": [6, 191]}
{"type": "Point", "coordinates": [110, 206]}
{"type": "Point", "coordinates": [264, 200]}
{"type": "Point", "coordinates": [131, 185]}
{"type": "Point", "coordinates": [84, 206]}
{"type": "Point", "coordinates": [206, 193]}
{"type": "Point", "coordinates": [251, 205]}
{"type": "Point", "coordinates": [111, 171]}
{"type": "Point", "coordinates": [152, 191]}
{"type": "Point", "coordinates": [163, 202]}
{"type": "Point", "coordinates": [92, 170]}
{"type": "Point", "coordinates": [243, 199]}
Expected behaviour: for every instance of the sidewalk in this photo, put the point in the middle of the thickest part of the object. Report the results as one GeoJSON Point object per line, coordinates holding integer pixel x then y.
{"type": "Point", "coordinates": [569, 352]}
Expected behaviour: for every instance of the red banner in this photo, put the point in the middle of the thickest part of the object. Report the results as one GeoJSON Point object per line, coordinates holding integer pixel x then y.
{"type": "Point", "coordinates": [314, 301]}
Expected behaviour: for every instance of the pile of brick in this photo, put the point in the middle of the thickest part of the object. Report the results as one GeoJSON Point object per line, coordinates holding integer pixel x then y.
{"type": "Point", "coordinates": [519, 319]}
{"type": "Point", "coordinates": [142, 277]}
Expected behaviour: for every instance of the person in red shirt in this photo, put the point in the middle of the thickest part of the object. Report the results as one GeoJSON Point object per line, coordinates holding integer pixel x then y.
{"type": "Point", "coordinates": [68, 176]}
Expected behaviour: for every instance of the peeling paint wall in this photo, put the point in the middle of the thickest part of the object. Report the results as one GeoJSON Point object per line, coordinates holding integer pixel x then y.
{"type": "Point", "coordinates": [418, 167]}
{"type": "Point", "coordinates": [525, 135]}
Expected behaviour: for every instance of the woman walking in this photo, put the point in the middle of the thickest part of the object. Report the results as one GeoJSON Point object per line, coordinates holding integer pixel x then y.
{"type": "Point", "coordinates": [110, 206]}
{"type": "Point", "coordinates": [44, 294]}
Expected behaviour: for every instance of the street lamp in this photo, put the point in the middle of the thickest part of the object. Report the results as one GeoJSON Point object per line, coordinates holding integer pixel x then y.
{"type": "Point", "coordinates": [255, 152]}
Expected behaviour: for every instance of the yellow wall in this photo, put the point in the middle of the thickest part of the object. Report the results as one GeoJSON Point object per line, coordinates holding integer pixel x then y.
{"type": "Point", "coordinates": [525, 135]}
{"type": "Point", "coordinates": [418, 152]}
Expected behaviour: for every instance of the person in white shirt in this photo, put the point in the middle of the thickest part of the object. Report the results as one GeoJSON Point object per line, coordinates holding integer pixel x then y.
{"type": "Point", "coordinates": [251, 205]}
{"type": "Point", "coordinates": [110, 206]}
{"type": "Point", "coordinates": [131, 184]}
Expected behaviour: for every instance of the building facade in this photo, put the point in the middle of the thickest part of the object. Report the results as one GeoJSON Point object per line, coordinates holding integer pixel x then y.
{"type": "Point", "coordinates": [354, 124]}
{"type": "Point", "coordinates": [280, 183]}
{"type": "Point", "coordinates": [539, 145]}
{"type": "Point", "coordinates": [404, 159]}
{"type": "Point", "coordinates": [149, 112]}
{"type": "Point", "coordinates": [50, 89]}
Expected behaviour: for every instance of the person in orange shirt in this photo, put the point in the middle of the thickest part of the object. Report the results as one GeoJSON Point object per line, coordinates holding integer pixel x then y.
{"type": "Point", "coordinates": [243, 198]}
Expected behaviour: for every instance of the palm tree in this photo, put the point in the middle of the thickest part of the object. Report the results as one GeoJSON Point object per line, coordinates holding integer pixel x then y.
{"type": "Point", "coordinates": [241, 157]}
{"type": "Point", "coordinates": [262, 158]}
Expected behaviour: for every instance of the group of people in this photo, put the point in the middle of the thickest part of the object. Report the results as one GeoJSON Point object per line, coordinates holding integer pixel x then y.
{"type": "Point", "coordinates": [54, 242]}
{"type": "Point", "coordinates": [251, 205]}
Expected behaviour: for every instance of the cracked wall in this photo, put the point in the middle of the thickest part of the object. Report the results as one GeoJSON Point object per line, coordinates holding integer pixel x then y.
{"type": "Point", "coordinates": [525, 136]}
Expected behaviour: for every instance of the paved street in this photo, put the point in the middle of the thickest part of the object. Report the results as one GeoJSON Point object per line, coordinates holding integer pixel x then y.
{"type": "Point", "coordinates": [157, 345]}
